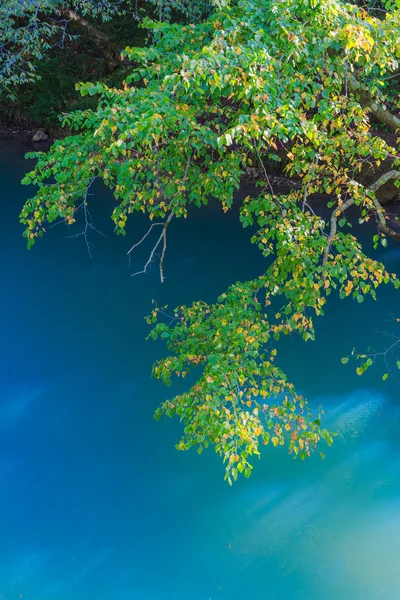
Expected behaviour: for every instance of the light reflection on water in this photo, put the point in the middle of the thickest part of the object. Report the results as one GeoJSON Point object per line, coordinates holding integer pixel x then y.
{"type": "Point", "coordinates": [95, 501]}
{"type": "Point", "coordinates": [338, 532]}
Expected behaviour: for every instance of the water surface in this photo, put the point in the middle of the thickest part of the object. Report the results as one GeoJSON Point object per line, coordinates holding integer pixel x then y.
{"type": "Point", "coordinates": [96, 503]}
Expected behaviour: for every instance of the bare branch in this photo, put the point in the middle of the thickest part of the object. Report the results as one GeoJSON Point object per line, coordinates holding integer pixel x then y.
{"type": "Point", "coordinates": [163, 237]}
{"type": "Point", "coordinates": [142, 240]}
{"type": "Point", "coordinates": [163, 254]}
{"type": "Point", "coordinates": [152, 253]}
{"type": "Point", "coordinates": [162, 312]}
{"type": "Point", "coordinates": [88, 221]}
{"type": "Point", "coordinates": [385, 353]}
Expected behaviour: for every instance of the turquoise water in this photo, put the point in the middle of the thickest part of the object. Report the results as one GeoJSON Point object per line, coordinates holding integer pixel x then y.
{"type": "Point", "coordinates": [95, 502]}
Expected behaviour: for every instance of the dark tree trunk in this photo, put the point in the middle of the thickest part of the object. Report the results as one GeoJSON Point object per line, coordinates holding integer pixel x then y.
{"type": "Point", "coordinates": [110, 51]}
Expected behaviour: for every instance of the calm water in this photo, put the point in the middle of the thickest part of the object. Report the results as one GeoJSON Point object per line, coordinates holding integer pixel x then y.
{"type": "Point", "coordinates": [95, 502]}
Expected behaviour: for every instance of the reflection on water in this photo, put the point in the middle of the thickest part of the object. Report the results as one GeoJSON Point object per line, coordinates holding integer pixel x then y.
{"type": "Point", "coordinates": [337, 532]}
{"type": "Point", "coordinates": [354, 415]}
{"type": "Point", "coordinates": [96, 502]}
{"type": "Point", "coordinates": [16, 405]}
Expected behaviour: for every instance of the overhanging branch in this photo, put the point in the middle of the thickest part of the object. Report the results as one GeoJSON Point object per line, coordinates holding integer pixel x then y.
{"type": "Point", "coordinates": [380, 212]}
{"type": "Point", "coordinates": [384, 179]}
{"type": "Point", "coordinates": [382, 114]}
{"type": "Point", "coordinates": [162, 238]}
{"type": "Point", "coordinates": [335, 214]}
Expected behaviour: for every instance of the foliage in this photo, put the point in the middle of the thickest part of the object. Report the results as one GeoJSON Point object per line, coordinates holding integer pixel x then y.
{"type": "Point", "coordinates": [41, 102]}
{"type": "Point", "coordinates": [29, 28]}
{"type": "Point", "coordinates": [21, 45]}
{"type": "Point", "coordinates": [257, 80]}
{"type": "Point", "coordinates": [193, 10]}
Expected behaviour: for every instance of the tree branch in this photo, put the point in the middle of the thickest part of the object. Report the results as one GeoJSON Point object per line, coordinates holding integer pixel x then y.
{"type": "Point", "coordinates": [163, 236]}
{"type": "Point", "coordinates": [158, 242]}
{"type": "Point", "coordinates": [142, 240]}
{"type": "Point", "coordinates": [88, 221]}
{"type": "Point", "coordinates": [380, 211]}
{"type": "Point", "coordinates": [384, 179]}
{"type": "Point", "coordinates": [108, 49]}
{"type": "Point", "coordinates": [382, 114]}
{"type": "Point", "coordinates": [335, 214]}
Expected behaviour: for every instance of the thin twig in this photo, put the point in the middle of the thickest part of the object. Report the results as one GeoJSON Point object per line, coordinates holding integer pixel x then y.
{"type": "Point", "coordinates": [264, 170]}
{"type": "Point", "coordinates": [162, 238]}
{"type": "Point", "coordinates": [88, 222]}
{"type": "Point", "coordinates": [305, 203]}
{"type": "Point", "coordinates": [152, 253]}
{"type": "Point", "coordinates": [142, 240]}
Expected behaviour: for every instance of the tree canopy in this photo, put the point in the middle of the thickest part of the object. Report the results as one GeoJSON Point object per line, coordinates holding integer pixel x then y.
{"type": "Point", "coordinates": [302, 83]}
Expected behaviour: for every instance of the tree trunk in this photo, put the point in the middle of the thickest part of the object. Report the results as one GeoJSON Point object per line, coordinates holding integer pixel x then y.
{"type": "Point", "coordinates": [110, 52]}
{"type": "Point", "coordinates": [382, 114]}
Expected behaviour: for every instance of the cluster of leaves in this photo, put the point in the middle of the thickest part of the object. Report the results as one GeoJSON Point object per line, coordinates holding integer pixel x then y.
{"type": "Point", "coordinates": [242, 397]}
{"type": "Point", "coordinates": [258, 79]}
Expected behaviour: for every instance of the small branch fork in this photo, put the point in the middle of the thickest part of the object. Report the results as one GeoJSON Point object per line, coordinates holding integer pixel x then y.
{"type": "Point", "coordinates": [88, 221]}
{"type": "Point", "coordinates": [162, 239]}
{"type": "Point", "coordinates": [380, 212]}
{"type": "Point", "coordinates": [384, 353]}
